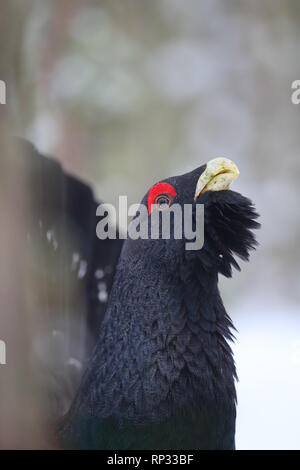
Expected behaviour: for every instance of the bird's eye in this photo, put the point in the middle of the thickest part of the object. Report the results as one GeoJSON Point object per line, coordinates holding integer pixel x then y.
{"type": "Point", "coordinates": [163, 201]}
{"type": "Point", "coordinates": [161, 195]}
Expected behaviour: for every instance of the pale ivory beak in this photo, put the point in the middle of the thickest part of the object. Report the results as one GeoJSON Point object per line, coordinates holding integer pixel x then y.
{"type": "Point", "coordinates": [217, 176]}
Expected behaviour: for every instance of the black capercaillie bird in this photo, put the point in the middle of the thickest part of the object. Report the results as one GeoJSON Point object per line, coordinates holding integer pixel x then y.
{"type": "Point", "coordinates": [162, 373]}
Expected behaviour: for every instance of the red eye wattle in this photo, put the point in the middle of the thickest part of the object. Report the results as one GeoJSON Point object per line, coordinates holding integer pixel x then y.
{"type": "Point", "coordinates": [161, 194]}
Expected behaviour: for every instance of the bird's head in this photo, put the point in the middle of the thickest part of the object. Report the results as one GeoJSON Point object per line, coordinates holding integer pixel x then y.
{"type": "Point", "coordinates": [177, 230]}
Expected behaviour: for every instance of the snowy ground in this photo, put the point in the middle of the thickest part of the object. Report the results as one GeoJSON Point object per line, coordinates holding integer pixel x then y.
{"type": "Point", "coordinates": [267, 354]}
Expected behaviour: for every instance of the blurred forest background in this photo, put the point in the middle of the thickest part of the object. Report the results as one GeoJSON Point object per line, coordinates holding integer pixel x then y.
{"type": "Point", "coordinates": [126, 92]}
